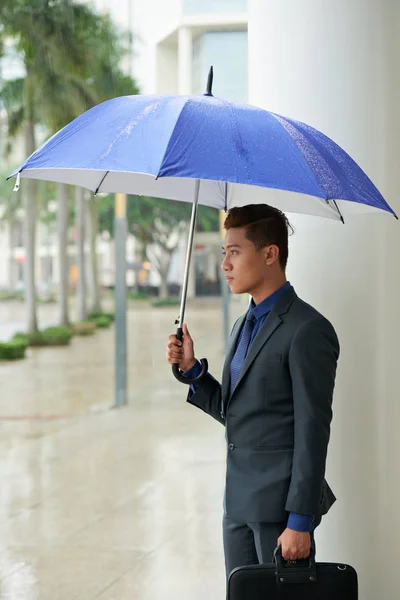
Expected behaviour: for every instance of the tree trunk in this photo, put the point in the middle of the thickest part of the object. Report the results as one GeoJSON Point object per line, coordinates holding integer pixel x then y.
{"type": "Point", "coordinates": [29, 204]}
{"type": "Point", "coordinates": [163, 285]}
{"type": "Point", "coordinates": [162, 263]}
{"type": "Point", "coordinates": [95, 299]}
{"type": "Point", "coordinates": [80, 226]}
{"type": "Point", "coordinates": [49, 273]}
{"type": "Point", "coordinates": [11, 259]}
{"type": "Point", "coordinates": [62, 226]}
{"type": "Point", "coordinates": [136, 271]}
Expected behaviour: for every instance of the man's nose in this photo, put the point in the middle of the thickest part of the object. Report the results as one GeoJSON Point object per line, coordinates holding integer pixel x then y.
{"type": "Point", "coordinates": [225, 264]}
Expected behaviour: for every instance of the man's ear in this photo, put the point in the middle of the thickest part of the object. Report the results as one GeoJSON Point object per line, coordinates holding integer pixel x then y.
{"type": "Point", "coordinates": [271, 255]}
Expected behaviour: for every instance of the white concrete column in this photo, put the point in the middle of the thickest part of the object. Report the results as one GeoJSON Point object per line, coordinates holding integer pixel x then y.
{"type": "Point", "coordinates": [185, 43]}
{"type": "Point", "coordinates": [388, 405]}
{"type": "Point", "coordinates": [331, 64]}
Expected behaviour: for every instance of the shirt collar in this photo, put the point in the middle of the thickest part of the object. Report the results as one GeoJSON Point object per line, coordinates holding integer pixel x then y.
{"type": "Point", "coordinates": [264, 307]}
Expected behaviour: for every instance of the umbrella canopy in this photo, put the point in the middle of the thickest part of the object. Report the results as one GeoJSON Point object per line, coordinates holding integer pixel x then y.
{"type": "Point", "coordinates": [161, 145]}
{"type": "Point", "coordinates": [208, 151]}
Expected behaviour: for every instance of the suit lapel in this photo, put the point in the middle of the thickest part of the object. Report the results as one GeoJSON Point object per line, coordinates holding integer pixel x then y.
{"type": "Point", "coordinates": [226, 375]}
{"type": "Point", "coordinates": [270, 325]}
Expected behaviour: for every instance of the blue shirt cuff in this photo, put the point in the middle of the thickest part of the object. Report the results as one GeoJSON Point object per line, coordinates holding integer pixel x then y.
{"type": "Point", "coordinates": [302, 523]}
{"type": "Point", "coordinates": [193, 372]}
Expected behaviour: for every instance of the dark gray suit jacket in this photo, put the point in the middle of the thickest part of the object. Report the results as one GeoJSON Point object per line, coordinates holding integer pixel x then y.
{"type": "Point", "coordinates": [278, 417]}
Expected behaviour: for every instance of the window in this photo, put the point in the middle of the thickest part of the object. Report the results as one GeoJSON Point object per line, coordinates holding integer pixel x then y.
{"type": "Point", "coordinates": [227, 52]}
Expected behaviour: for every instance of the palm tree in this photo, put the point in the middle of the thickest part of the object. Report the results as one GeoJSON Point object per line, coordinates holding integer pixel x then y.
{"type": "Point", "coordinates": [104, 51]}
{"type": "Point", "coordinates": [71, 59]}
{"type": "Point", "coordinates": [36, 28]}
{"type": "Point", "coordinates": [93, 224]}
{"type": "Point", "coordinates": [101, 79]}
{"type": "Point", "coordinates": [62, 229]}
{"type": "Point", "coordinates": [81, 238]}
{"type": "Point", "coordinates": [10, 207]}
{"type": "Point", "coordinates": [17, 98]}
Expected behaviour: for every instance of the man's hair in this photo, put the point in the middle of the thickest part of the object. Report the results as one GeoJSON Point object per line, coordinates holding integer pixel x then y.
{"type": "Point", "coordinates": [264, 225]}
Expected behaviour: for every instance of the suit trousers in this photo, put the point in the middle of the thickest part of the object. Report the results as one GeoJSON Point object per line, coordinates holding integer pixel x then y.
{"type": "Point", "coordinates": [251, 543]}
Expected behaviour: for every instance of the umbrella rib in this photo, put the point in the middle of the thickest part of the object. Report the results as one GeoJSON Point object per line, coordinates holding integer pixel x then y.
{"type": "Point", "coordinates": [338, 210]}
{"type": "Point", "coordinates": [100, 184]}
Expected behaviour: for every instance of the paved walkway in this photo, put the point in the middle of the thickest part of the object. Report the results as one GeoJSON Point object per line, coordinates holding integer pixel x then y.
{"type": "Point", "coordinates": [111, 504]}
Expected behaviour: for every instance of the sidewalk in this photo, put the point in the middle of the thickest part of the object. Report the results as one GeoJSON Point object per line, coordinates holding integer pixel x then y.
{"type": "Point", "coordinates": [111, 503]}
{"type": "Point", "coordinates": [12, 317]}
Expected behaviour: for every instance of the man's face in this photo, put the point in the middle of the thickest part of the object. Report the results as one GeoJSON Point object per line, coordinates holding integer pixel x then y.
{"type": "Point", "coordinates": [244, 267]}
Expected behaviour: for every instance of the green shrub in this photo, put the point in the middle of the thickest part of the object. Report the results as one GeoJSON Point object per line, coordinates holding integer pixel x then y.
{"type": "Point", "coordinates": [13, 350]}
{"type": "Point", "coordinates": [52, 336]}
{"type": "Point", "coordinates": [103, 322]}
{"type": "Point", "coordinates": [5, 295]}
{"type": "Point", "coordinates": [48, 300]}
{"type": "Point", "coordinates": [20, 336]}
{"type": "Point", "coordinates": [83, 328]}
{"type": "Point", "coordinates": [94, 315]}
{"type": "Point", "coordinates": [160, 302]}
{"type": "Point", "coordinates": [138, 296]}
{"type": "Point", "coordinates": [97, 314]}
{"type": "Point", "coordinates": [57, 336]}
{"type": "Point", "coordinates": [36, 339]}
{"type": "Point", "coordinates": [30, 339]}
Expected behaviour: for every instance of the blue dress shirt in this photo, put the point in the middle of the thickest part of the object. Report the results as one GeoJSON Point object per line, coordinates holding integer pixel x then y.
{"type": "Point", "coordinates": [296, 521]}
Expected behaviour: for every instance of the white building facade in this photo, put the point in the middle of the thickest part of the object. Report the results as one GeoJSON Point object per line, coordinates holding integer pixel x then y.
{"type": "Point", "coordinates": [336, 66]}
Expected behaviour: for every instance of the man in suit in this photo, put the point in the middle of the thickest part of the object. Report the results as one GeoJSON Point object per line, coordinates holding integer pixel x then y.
{"type": "Point", "coordinates": [275, 400]}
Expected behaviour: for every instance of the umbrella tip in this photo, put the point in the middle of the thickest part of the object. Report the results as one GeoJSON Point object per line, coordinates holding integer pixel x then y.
{"type": "Point", "coordinates": [210, 82]}
{"type": "Point", "coordinates": [17, 183]}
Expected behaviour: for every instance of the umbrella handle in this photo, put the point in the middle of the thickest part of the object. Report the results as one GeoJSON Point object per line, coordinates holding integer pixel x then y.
{"type": "Point", "coordinates": [176, 371]}
{"type": "Point", "coordinates": [187, 380]}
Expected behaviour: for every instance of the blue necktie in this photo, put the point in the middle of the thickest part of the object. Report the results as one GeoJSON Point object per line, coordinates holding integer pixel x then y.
{"type": "Point", "coordinates": [242, 348]}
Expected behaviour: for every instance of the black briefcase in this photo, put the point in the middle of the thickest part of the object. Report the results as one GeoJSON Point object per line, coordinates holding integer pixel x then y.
{"type": "Point", "coordinates": [305, 580]}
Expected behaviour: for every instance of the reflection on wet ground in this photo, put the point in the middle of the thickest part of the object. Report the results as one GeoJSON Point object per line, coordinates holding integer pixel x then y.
{"type": "Point", "coordinates": [109, 503]}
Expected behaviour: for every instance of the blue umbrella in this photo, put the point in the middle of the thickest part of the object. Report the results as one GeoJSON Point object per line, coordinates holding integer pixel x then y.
{"type": "Point", "coordinates": [208, 151]}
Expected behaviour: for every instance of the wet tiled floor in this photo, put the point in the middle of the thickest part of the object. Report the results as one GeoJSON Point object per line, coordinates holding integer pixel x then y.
{"type": "Point", "coordinates": [106, 503]}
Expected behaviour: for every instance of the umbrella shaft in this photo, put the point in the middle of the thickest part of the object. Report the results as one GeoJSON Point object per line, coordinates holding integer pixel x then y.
{"type": "Point", "coordinates": [189, 253]}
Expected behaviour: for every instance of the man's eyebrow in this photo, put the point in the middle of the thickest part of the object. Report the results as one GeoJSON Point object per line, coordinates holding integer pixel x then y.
{"type": "Point", "coordinates": [231, 246]}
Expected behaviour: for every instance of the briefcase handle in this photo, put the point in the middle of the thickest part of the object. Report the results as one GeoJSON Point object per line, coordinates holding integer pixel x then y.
{"type": "Point", "coordinates": [295, 572]}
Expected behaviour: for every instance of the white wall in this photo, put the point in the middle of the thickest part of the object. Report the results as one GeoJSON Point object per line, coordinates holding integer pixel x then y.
{"type": "Point", "coordinates": [151, 20]}
{"type": "Point", "coordinates": [167, 70]}
{"type": "Point", "coordinates": [388, 409]}
{"type": "Point", "coordinates": [332, 64]}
